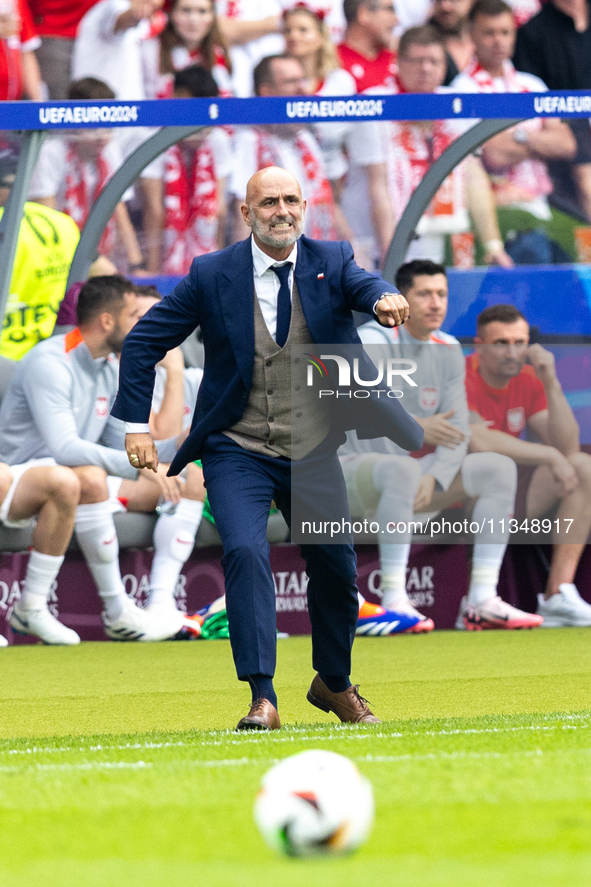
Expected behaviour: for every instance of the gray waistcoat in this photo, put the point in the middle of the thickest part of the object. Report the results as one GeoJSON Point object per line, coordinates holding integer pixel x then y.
{"type": "Point", "coordinates": [266, 424]}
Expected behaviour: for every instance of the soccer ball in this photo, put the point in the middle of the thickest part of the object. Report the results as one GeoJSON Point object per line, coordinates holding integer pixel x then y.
{"type": "Point", "coordinates": [313, 803]}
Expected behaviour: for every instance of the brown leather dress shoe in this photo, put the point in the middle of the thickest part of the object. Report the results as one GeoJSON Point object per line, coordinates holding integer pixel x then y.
{"type": "Point", "coordinates": [262, 716]}
{"type": "Point", "coordinates": [349, 706]}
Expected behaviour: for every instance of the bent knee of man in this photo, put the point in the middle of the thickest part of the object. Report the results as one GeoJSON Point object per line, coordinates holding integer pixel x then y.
{"type": "Point", "coordinates": [5, 479]}
{"type": "Point", "coordinates": [194, 486]}
{"type": "Point", "coordinates": [93, 483]}
{"type": "Point", "coordinates": [581, 462]}
{"type": "Point", "coordinates": [399, 472]}
{"type": "Point", "coordinates": [64, 484]}
{"type": "Point", "coordinates": [489, 474]}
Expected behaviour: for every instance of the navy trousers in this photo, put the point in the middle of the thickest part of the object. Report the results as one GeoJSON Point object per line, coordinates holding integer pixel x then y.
{"type": "Point", "coordinates": [241, 486]}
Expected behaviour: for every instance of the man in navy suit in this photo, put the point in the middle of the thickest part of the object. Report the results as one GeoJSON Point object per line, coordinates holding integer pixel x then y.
{"type": "Point", "coordinates": [254, 301]}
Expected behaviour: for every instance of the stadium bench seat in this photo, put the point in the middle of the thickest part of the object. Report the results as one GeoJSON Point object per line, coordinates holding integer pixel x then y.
{"type": "Point", "coordinates": [135, 531]}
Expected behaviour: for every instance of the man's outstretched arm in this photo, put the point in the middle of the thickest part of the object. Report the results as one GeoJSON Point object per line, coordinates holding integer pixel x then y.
{"type": "Point", "coordinates": [366, 292]}
{"type": "Point", "coordinates": [165, 326]}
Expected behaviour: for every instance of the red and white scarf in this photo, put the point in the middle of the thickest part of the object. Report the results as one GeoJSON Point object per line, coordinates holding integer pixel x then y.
{"type": "Point", "coordinates": [410, 151]}
{"type": "Point", "coordinates": [191, 206]}
{"type": "Point", "coordinates": [320, 213]}
{"type": "Point", "coordinates": [523, 181]}
{"type": "Point", "coordinates": [486, 82]}
{"type": "Point", "coordinates": [78, 199]}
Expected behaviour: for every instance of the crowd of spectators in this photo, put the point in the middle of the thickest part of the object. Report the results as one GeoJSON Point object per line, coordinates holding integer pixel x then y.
{"type": "Point", "coordinates": [523, 200]}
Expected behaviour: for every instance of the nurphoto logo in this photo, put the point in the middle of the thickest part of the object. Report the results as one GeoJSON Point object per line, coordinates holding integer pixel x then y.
{"type": "Point", "coordinates": [390, 370]}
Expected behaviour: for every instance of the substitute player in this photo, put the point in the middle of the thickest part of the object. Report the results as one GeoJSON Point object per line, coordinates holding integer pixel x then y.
{"type": "Point", "coordinates": [383, 479]}
{"type": "Point", "coordinates": [505, 397]}
{"type": "Point", "coordinates": [44, 495]}
{"type": "Point", "coordinates": [58, 405]}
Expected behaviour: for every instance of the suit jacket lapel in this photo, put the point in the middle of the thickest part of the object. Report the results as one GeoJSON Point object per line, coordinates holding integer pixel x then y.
{"type": "Point", "coordinates": [314, 294]}
{"type": "Point", "coordinates": [236, 294]}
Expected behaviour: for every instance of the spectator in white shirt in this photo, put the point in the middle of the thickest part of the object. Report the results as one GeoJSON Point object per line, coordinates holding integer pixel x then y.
{"type": "Point", "coordinates": [252, 29]}
{"type": "Point", "coordinates": [516, 158]}
{"type": "Point", "coordinates": [114, 44]}
{"type": "Point", "coordinates": [192, 178]}
{"type": "Point", "coordinates": [72, 171]}
{"type": "Point", "coordinates": [289, 146]}
{"type": "Point", "coordinates": [110, 44]}
{"type": "Point", "coordinates": [410, 147]}
{"type": "Point", "coordinates": [192, 36]}
{"type": "Point", "coordinates": [307, 39]}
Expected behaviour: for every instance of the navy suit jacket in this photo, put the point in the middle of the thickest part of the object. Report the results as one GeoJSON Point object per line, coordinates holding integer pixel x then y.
{"type": "Point", "coordinates": [218, 296]}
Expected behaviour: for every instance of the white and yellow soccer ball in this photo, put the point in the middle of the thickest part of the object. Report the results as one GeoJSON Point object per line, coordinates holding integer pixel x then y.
{"type": "Point", "coordinates": [314, 803]}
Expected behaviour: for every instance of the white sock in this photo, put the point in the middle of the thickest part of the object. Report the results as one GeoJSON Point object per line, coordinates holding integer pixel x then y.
{"type": "Point", "coordinates": [41, 571]}
{"type": "Point", "coordinates": [397, 480]}
{"type": "Point", "coordinates": [174, 538]}
{"type": "Point", "coordinates": [394, 560]}
{"type": "Point", "coordinates": [484, 578]}
{"type": "Point", "coordinates": [491, 478]}
{"type": "Point", "coordinates": [97, 538]}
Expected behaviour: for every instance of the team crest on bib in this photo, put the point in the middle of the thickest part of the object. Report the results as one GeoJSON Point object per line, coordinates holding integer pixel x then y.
{"type": "Point", "coordinates": [101, 407]}
{"type": "Point", "coordinates": [428, 397]}
{"type": "Point", "coordinates": [516, 420]}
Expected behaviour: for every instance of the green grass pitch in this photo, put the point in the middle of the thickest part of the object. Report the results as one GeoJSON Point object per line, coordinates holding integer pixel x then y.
{"type": "Point", "coordinates": [119, 767]}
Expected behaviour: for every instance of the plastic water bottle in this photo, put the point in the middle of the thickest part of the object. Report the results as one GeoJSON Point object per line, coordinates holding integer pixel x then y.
{"type": "Point", "coordinates": [165, 506]}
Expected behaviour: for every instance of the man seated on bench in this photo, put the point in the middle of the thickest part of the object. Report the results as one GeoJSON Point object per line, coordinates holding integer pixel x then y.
{"type": "Point", "coordinates": [505, 396]}
{"type": "Point", "coordinates": [58, 405]}
{"type": "Point", "coordinates": [384, 481]}
{"type": "Point", "coordinates": [42, 495]}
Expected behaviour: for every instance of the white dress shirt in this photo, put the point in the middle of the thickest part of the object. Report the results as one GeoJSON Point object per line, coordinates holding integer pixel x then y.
{"type": "Point", "coordinates": [266, 282]}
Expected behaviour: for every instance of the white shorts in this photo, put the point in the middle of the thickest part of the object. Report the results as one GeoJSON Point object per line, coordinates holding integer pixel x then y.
{"type": "Point", "coordinates": [350, 465]}
{"type": "Point", "coordinates": [17, 472]}
{"type": "Point", "coordinates": [113, 486]}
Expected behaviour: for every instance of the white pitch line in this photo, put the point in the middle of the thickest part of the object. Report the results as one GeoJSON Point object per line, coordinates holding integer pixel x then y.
{"type": "Point", "coordinates": [130, 765]}
{"type": "Point", "coordinates": [331, 737]}
{"type": "Point", "coordinates": [294, 735]}
{"type": "Point", "coordinates": [242, 762]}
{"type": "Point", "coordinates": [87, 765]}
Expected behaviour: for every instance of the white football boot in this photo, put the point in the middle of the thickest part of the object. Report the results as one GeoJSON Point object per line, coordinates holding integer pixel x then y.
{"type": "Point", "coordinates": [134, 624]}
{"type": "Point", "coordinates": [41, 624]}
{"type": "Point", "coordinates": [564, 609]}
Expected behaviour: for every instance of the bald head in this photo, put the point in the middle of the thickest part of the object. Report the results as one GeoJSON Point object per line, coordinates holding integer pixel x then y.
{"type": "Point", "coordinates": [275, 210]}
{"type": "Point", "coordinates": [271, 178]}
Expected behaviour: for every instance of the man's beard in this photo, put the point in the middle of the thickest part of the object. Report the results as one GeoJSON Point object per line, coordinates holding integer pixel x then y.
{"type": "Point", "coordinates": [115, 340]}
{"type": "Point", "coordinates": [508, 369]}
{"type": "Point", "coordinates": [456, 30]}
{"type": "Point", "coordinates": [267, 238]}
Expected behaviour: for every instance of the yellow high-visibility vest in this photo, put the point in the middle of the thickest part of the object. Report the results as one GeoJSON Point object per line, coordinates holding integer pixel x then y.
{"type": "Point", "coordinates": [45, 249]}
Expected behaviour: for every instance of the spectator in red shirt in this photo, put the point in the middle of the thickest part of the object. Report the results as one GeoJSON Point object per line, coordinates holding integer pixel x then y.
{"type": "Point", "coordinates": [56, 22]}
{"type": "Point", "coordinates": [19, 71]}
{"type": "Point", "coordinates": [505, 397]}
{"type": "Point", "coordinates": [367, 51]}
